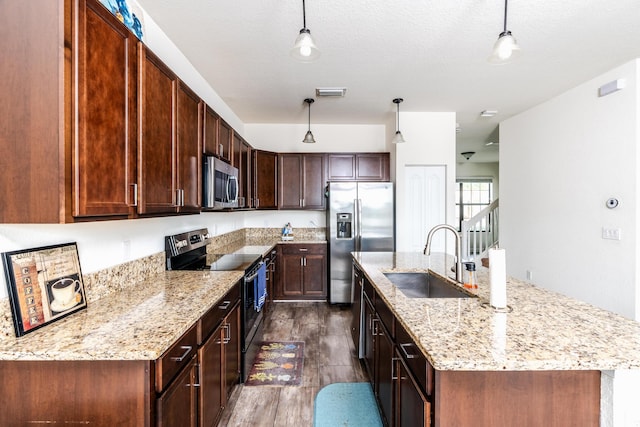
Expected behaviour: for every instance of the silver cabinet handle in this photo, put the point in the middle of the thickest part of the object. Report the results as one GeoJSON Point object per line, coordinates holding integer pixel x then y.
{"type": "Point", "coordinates": [135, 195]}
{"type": "Point", "coordinates": [226, 328]}
{"type": "Point", "coordinates": [394, 362]}
{"type": "Point", "coordinates": [224, 305]}
{"type": "Point", "coordinates": [404, 350]}
{"type": "Point", "coordinates": [187, 350]}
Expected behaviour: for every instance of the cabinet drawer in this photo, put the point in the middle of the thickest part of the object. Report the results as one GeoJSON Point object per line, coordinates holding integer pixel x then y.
{"type": "Point", "coordinates": [385, 315]}
{"type": "Point", "coordinates": [180, 353]}
{"type": "Point", "coordinates": [212, 318]}
{"type": "Point", "coordinates": [303, 249]}
{"type": "Point", "coordinates": [415, 360]}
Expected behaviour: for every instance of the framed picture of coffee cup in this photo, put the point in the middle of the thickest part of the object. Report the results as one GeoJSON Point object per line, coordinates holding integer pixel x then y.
{"type": "Point", "coordinates": [45, 284]}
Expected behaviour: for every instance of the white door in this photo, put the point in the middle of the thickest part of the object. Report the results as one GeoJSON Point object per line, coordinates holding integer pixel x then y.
{"type": "Point", "coordinates": [424, 207]}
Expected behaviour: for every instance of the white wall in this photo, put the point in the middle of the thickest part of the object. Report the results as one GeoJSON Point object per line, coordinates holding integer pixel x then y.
{"type": "Point", "coordinates": [559, 163]}
{"type": "Point", "coordinates": [166, 50]}
{"type": "Point", "coordinates": [430, 140]}
{"type": "Point", "coordinates": [329, 138]}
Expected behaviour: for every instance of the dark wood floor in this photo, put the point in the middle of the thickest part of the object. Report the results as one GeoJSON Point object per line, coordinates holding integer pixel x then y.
{"type": "Point", "coordinates": [329, 357]}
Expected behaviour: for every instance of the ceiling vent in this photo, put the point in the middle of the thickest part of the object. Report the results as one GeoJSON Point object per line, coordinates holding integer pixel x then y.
{"type": "Point", "coordinates": [331, 91]}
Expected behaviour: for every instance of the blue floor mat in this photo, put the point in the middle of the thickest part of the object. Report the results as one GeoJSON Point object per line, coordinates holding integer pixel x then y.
{"type": "Point", "coordinates": [346, 404]}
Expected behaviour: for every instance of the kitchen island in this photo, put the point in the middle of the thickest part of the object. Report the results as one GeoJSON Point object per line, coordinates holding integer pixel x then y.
{"type": "Point", "coordinates": [538, 363]}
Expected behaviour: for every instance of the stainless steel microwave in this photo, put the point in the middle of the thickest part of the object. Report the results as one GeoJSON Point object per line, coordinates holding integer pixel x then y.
{"type": "Point", "coordinates": [220, 186]}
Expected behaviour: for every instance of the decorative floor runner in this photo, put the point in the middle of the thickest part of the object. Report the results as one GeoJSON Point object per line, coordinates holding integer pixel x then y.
{"type": "Point", "coordinates": [346, 404]}
{"type": "Point", "coordinates": [277, 363]}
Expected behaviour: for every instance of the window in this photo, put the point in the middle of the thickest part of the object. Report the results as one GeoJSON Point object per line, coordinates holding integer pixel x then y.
{"type": "Point", "coordinates": [472, 195]}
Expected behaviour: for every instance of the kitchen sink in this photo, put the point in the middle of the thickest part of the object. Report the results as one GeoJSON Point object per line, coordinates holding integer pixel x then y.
{"type": "Point", "coordinates": [425, 285]}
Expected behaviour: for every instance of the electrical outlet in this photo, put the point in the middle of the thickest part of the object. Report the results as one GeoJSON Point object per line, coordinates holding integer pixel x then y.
{"type": "Point", "coordinates": [126, 250]}
{"type": "Point", "coordinates": [611, 233]}
{"type": "Point", "coordinates": [529, 275]}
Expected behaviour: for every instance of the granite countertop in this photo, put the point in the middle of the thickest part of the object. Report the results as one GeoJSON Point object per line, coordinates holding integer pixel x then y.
{"type": "Point", "coordinates": [544, 331]}
{"type": "Point", "coordinates": [138, 323]}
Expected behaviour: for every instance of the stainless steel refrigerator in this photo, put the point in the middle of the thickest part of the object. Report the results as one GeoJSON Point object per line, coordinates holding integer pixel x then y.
{"type": "Point", "coordinates": [360, 218]}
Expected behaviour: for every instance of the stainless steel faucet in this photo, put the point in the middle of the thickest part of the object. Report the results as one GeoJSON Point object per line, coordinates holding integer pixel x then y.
{"type": "Point", "coordinates": [427, 247]}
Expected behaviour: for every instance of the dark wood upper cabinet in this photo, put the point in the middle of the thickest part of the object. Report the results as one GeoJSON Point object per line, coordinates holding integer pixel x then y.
{"type": "Point", "coordinates": [169, 148]}
{"type": "Point", "coordinates": [106, 114]}
{"type": "Point", "coordinates": [188, 148]}
{"type": "Point", "coordinates": [265, 179]}
{"type": "Point", "coordinates": [218, 136]}
{"type": "Point", "coordinates": [70, 126]}
{"type": "Point", "coordinates": [242, 161]}
{"type": "Point", "coordinates": [225, 141]}
{"type": "Point", "coordinates": [358, 167]}
{"type": "Point", "coordinates": [301, 181]}
{"type": "Point", "coordinates": [156, 178]}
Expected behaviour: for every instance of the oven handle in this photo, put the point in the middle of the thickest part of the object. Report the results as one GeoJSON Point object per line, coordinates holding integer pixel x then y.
{"type": "Point", "coordinates": [252, 276]}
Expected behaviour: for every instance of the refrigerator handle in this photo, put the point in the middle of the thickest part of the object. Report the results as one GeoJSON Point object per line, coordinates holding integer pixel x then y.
{"type": "Point", "coordinates": [358, 224]}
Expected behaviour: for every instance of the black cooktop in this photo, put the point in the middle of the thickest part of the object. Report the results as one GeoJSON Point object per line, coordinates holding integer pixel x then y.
{"type": "Point", "coordinates": [227, 262]}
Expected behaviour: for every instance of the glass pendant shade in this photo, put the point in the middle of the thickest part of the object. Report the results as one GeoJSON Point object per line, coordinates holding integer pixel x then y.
{"type": "Point", "coordinates": [398, 138]}
{"type": "Point", "coordinates": [304, 49]}
{"type": "Point", "coordinates": [308, 138]}
{"type": "Point", "coordinates": [505, 48]}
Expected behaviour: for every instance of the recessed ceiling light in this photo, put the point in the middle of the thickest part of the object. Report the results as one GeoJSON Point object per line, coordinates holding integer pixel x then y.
{"type": "Point", "coordinates": [331, 91]}
{"type": "Point", "coordinates": [488, 113]}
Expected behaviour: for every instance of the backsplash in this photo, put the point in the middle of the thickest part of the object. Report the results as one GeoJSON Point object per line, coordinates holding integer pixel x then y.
{"type": "Point", "coordinates": [113, 279]}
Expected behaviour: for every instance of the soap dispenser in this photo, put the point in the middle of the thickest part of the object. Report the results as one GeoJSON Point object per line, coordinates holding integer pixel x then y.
{"type": "Point", "coordinates": [470, 276]}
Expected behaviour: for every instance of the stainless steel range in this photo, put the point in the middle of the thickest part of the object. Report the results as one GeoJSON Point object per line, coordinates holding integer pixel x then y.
{"type": "Point", "coordinates": [188, 251]}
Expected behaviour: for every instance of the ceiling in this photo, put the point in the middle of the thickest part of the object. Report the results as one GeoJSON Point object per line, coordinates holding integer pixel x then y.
{"type": "Point", "coordinates": [431, 53]}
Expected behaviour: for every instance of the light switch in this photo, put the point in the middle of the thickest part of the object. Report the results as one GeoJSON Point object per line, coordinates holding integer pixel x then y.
{"type": "Point", "coordinates": [611, 233]}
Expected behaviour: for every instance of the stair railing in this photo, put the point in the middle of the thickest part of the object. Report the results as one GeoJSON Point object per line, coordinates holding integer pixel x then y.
{"type": "Point", "coordinates": [480, 232]}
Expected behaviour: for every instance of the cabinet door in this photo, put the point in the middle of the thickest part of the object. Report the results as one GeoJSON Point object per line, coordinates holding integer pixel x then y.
{"type": "Point", "coordinates": [290, 181]}
{"type": "Point", "coordinates": [265, 179]}
{"type": "Point", "coordinates": [291, 276]}
{"type": "Point", "coordinates": [225, 141]}
{"type": "Point", "coordinates": [314, 182]}
{"type": "Point", "coordinates": [232, 351]}
{"type": "Point", "coordinates": [372, 166]}
{"type": "Point", "coordinates": [383, 372]}
{"type": "Point", "coordinates": [210, 131]}
{"type": "Point", "coordinates": [341, 167]}
{"type": "Point", "coordinates": [156, 177]}
{"type": "Point", "coordinates": [412, 408]}
{"type": "Point", "coordinates": [177, 406]}
{"type": "Point", "coordinates": [369, 337]}
{"type": "Point", "coordinates": [211, 400]}
{"type": "Point", "coordinates": [105, 141]}
{"type": "Point", "coordinates": [188, 157]}
{"type": "Point", "coordinates": [247, 174]}
{"type": "Point", "coordinates": [315, 276]}
{"type": "Point", "coordinates": [356, 308]}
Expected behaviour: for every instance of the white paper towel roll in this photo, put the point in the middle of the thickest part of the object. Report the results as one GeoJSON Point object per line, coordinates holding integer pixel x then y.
{"type": "Point", "coordinates": [497, 278]}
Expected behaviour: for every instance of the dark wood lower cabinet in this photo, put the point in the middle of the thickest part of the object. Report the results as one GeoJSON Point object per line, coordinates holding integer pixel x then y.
{"type": "Point", "coordinates": [219, 368]}
{"type": "Point", "coordinates": [410, 392]}
{"type": "Point", "coordinates": [413, 408]}
{"type": "Point", "coordinates": [303, 271]}
{"type": "Point", "coordinates": [177, 406]}
{"type": "Point", "coordinates": [384, 371]}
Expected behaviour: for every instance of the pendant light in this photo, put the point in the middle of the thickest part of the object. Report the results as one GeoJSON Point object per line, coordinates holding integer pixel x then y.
{"type": "Point", "coordinates": [398, 138]}
{"type": "Point", "coordinates": [506, 47]}
{"type": "Point", "coordinates": [304, 49]}
{"type": "Point", "coordinates": [308, 138]}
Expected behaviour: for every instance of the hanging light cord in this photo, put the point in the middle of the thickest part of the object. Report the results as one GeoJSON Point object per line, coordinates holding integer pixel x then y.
{"type": "Point", "coordinates": [505, 15]}
{"type": "Point", "coordinates": [397, 117]}
{"type": "Point", "coordinates": [304, 17]}
{"type": "Point", "coordinates": [309, 117]}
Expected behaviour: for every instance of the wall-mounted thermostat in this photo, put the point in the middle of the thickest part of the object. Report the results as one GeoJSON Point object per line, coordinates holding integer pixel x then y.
{"type": "Point", "coordinates": [612, 203]}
